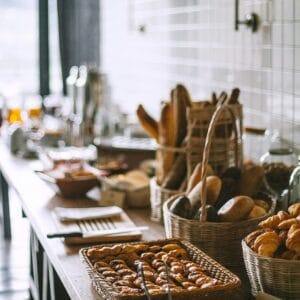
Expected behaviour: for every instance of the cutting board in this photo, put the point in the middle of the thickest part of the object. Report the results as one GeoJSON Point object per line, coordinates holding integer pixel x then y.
{"type": "Point", "coordinates": [121, 221]}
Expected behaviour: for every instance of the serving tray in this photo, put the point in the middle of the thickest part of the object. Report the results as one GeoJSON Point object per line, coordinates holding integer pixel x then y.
{"type": "Point", "coordinates": [230, 281]}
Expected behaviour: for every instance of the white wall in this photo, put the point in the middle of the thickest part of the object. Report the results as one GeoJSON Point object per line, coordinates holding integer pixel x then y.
{"type": "Point", "coordinates": [194, 42]}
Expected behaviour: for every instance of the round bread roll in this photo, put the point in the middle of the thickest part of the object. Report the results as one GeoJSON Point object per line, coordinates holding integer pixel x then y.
{"type": "Point", "coordinates": [262, 203]}
{"type": "Point", "coordinates": [256, 212]}
{"type": "Point", "coordinates": [236, 209]}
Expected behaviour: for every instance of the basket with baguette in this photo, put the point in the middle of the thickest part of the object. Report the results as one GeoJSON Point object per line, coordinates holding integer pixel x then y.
{"type": "Point", "coordinates": [272, 255]}
{"type": "Point", "coordinates": [180, 134]}
{"type": "Point", "coordinates": [217, 211]}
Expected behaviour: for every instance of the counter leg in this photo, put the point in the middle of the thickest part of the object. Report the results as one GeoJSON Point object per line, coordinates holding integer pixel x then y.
{"type": "Point", "coordinates": [5, 207]}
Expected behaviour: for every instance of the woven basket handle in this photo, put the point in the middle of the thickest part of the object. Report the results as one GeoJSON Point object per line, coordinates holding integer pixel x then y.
{"type": "Point", "coordinates": [210, 134]}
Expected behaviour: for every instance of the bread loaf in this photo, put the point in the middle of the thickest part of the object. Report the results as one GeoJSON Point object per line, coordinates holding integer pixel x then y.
{"type": "Point", "coordinates": [213, 187]}
{"type": "Point", "coordinates": [236, 209]}
{"type": "Point", "coordinates": [166, 137]}
{"type": "Point", "coordinates": [251, 181]}
{"type": "Point", "coordinates": [148, 123]}
{"type": "Point", "coordinates": [196, 176]}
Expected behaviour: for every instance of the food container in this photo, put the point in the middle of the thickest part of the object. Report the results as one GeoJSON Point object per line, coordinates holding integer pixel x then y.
{"type": "Point", "coordinates": [275, 276]}
{"type": "Point", "coordinates": [73, 185]}
{"type": "Point", "coordinates": [135, 186]}
{"type": "Point", "coordinates": [230, 281]}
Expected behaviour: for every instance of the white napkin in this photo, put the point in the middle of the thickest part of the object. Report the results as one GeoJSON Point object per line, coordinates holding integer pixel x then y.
{"type": "Point", "coordinates": [76, 214]}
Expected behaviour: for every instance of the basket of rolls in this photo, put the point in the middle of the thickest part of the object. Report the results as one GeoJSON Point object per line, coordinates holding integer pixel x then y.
{"type": "Point", "coordinates": [272, 255]}
{"type": "Point", "coordinates": [181, 134]}
{"type": "Point", "coordinates": [217, 212]}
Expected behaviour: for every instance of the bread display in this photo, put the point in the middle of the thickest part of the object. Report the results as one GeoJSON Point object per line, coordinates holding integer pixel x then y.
{"type": "Point", "coordinates": [278, 237]}
{"type": "Point", "coordinates": [164, 266]}
{"type": "Point", "coordinates": [224, 196]}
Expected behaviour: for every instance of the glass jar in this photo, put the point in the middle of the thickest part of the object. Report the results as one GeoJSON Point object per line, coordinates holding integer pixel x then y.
{"type": "Point", "coordinates": [279, 162]}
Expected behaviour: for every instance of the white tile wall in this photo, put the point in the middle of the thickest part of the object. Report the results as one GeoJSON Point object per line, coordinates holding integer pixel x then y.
{"type": "Point", "coordinates": [194, 42]}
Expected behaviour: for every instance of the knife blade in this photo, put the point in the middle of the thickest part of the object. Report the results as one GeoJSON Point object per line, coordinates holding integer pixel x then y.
{"type": "Point", "coordinates": [95, 233]}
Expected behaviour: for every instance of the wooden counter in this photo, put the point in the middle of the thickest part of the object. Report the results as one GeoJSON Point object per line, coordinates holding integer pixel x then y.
{"type": "Point", "coordinates": [37, 201]}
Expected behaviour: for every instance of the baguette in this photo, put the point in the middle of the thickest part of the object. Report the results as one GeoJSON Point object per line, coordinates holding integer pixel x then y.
{"type": "Point", "coordinates": [177, 173]}
{"type": "Point", "coordinates": [148, 123]}
{"type": "Point", "coordinates": [180, 102]}
{"type": "Point", "coordinates": [233, 99]}
{"type": "Point", "coordinates": [166, 138]}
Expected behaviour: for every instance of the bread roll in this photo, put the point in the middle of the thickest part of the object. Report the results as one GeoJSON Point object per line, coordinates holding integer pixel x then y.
{"type": "Point", "coordinates": [256, 212]}
{"type": "Point", "coordinates": [236, 209]}
{"type": "Point", "coordinates": [196, 176]}
{"type": "Point", "coordinates": [213, 188]}
{"type": "Point", "coordinates": [262, 203]}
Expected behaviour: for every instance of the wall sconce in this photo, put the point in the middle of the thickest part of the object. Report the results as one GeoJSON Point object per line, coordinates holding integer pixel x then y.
{"type": "Point", "coordinates": [251, 19]}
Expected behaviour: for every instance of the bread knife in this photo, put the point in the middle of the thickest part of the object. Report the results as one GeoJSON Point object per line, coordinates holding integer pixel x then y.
{"type": "Point", "coordinates": [95, 233]}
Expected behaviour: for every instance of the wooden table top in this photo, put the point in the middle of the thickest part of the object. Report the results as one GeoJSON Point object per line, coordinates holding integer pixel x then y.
{"type": "Point", "coordinates": [38, 200]}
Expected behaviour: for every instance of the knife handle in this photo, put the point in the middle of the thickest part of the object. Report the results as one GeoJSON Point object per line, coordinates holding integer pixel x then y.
{"type": "Point", "coordinates": [64, 234]}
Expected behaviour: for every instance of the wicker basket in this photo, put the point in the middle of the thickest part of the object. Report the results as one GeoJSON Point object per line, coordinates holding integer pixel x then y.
{"type": "Point", "coordinates": [158, 196]}
{"type": "Point", "coordinates": [222, 150]}
{"type": "Point", "coordinates": [212, 268]}
{"type": "Point", "coordinates": [275, 276]}
{"type": "Point", "coordinates": [222, 241]}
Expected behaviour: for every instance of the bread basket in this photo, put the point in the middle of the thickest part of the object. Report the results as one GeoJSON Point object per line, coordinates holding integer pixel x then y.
{"type": "Point", "coordinates": [211, 267]}
{"type": "Point", "coordinates": [275, 276]}
{"type": "Point", "coordinates": [222, 241]}
{"type": "Point", "coordinates": [223, 149]}
{"type": "Point", "coordinates": [158, 196]}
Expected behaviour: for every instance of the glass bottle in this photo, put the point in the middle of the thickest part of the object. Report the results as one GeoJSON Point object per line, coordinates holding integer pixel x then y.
{"type": "Point", "coordinates": [279, 162]}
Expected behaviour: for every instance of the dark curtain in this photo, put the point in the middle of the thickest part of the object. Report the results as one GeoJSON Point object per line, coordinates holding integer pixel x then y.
{"type": "Point", "coordinates": [79, 34]}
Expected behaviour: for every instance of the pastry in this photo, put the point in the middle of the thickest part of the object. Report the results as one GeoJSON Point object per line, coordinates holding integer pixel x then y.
{"type": "Point", "coordinates": [283, 215]}
{"type": "Point", "coordinates": [294, 210]}
{"type": "Point", "coordinates": [293, 238]}
{"type": "Point", "coordinates": [251, 237]}
{"type": "Point", "coordinates": [271, 222]}
{"type": "Point", "coordinates": [286, 224]}
{"type": "Point", "coordinates": [236, 209]}
{"type": "Point", "coordinates": [266, 244]}
{"type": "Point", "coordinates": [170, 247]}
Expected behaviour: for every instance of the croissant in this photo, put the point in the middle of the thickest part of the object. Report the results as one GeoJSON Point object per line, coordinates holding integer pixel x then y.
{"type": "Point", "coordinates": [286, 224]}
{"type": "Point", "coordinates": [250, 238]}
{"type": "Point", "coordinates": [283, 215]}
{"type": "Point", "coordinates": [294, 210]}
{"type": "Point", "coordinates": [267, 243]}
{"type": "Point", "coordinates": [271, 222]}
{"type": "Point", "coordinates": [293, 239]}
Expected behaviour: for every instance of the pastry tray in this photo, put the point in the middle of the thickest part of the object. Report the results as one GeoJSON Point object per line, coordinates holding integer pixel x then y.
{"type": "Point", "coordinates": [211, 267]}
{"type": "Point", "coordinates": [121, 221]}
